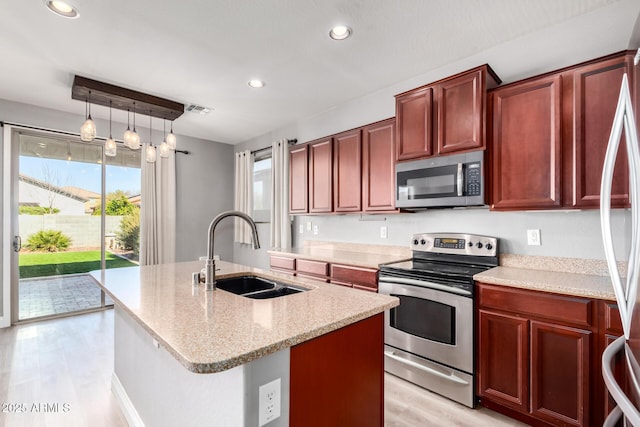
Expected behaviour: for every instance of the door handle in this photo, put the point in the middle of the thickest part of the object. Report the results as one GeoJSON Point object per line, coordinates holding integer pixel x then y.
{"type": "Point", "coordinates": [449, 377]}
{"type": "Point", "coordinates": [460, 180]}
{"type": "Point", "coordinates": [17, 243]}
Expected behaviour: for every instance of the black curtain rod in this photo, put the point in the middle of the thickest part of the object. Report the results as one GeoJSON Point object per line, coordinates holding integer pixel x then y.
{"type": "Point", "coordinates": [289, 141]}
{"type": "Point", "coordinates": [61, 132]}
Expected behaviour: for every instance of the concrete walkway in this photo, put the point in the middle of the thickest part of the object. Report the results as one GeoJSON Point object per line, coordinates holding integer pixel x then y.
{"type": "Point", "coordinates": [46, 296]}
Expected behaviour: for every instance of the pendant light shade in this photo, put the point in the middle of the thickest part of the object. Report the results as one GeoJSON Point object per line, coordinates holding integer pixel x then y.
{"type": "Point", "coordinates": [164, 149]}
{"type": "Point", "coordinates": [171, 138]}
{"type": "Point", "coordinates": [150, 154]}
{"type": "Point", "coordinates": [110, 145]}
{"type": "Point", "coordinates": [128, 134]}
{"type": "Point", "coordinates": [88, 128]}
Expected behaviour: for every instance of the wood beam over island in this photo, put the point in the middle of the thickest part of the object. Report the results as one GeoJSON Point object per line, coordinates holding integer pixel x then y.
{"type": "Point", "coordinates": [185, 356]}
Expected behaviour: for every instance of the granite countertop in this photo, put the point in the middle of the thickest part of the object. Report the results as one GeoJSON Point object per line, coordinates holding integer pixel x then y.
{"type": "Point", "coordinates": [370, 256]}
{"type": "Point", "coordinates": [559, 282]}
{"type": "Point", "coordinates": [214, 331]}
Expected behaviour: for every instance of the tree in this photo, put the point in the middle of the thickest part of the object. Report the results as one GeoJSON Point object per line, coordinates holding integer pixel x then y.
{"type": "Point", "coordinates": [52, 182]}
{"type": "Point", "coordinates": [129, 235]}
{"type": "Point", "coordinates": [117, 204]}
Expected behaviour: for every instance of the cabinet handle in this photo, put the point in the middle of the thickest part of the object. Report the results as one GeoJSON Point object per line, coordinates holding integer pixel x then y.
{"type": "Point", "coordinates": [450, 377]}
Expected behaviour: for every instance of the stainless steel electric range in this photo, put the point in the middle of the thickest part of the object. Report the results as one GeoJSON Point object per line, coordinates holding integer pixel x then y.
{"type": "Point", "coordinates": [429, 337]}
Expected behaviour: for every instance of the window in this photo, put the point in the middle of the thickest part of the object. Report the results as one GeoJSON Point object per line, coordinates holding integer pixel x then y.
{"type": "Point", "coordinates": [262, 189]}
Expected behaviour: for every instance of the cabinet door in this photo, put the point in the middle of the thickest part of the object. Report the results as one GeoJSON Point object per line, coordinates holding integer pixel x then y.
{"type": "Point", "coordinates": [347, 171]}
{"type": "Point", "coordinates": [526, 145]}
{"type": "Point", "coordinates": [414, 124]}
{"type": "Point", "coordinates": [320, 176]}
{"type": "Point", "coordinates": [378, 166]}
{"type": "Point", "coordinates": [461, 113]}
{"type": "Point", "coordinates": [298, 176]}
{"type": "Point", "coordinates": [503, 369]}
{"type": "Point", "coordinates": [560, 363]}
{"type": "Point", "coordinates": [595, 97]}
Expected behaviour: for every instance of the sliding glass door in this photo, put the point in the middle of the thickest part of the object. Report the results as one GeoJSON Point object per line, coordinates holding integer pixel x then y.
{"type": "Point", "coordinates": [75, 210]}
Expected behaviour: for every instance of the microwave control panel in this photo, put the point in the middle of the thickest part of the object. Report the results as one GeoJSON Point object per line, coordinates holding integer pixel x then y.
{"type": "Point", "coordinates": [474, 179]}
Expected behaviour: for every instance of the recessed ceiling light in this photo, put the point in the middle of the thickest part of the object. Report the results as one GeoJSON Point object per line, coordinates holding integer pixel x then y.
{"type": "Point", "coordinates": [340, 32]}
{"type": "Point", "coordinates": [62, 8]}
{"type": "Point", "coordinates": [255, 83]}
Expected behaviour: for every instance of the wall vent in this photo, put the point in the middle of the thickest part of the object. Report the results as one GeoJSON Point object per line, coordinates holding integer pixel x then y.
{"type": "Point", "coordinates": [193, 108]}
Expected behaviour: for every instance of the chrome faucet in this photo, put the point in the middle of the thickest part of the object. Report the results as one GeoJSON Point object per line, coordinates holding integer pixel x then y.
{"type": "Point", "coordinates": [210, 266]}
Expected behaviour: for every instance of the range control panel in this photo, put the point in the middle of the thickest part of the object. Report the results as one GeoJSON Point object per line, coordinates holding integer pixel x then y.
{"type": "Point", "coordinates": [455, 243]}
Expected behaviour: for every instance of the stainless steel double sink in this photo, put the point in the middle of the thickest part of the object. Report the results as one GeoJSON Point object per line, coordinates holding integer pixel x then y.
{"type": "Point", "coordinates": [257, 287]}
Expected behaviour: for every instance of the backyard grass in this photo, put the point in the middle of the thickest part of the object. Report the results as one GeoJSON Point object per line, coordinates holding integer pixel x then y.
{"type": "Point", "coordinates": [57, 263]}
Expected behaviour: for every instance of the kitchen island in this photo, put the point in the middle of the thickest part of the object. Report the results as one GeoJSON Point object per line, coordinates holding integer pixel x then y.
{"type": "Point", "coordinates": [185, 356]}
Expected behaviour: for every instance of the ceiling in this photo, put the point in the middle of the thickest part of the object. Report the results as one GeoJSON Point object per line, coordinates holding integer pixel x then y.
{"type": "Point", "coordinates": [205, 51]}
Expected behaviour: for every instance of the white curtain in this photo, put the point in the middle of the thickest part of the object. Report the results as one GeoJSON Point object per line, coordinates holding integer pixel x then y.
{"type": "Point", "coordinates": [243, 195]}
{"type": "Point", "coordinates": [280, 220]}
{"type": "Point", "coordinates": [158, 210]}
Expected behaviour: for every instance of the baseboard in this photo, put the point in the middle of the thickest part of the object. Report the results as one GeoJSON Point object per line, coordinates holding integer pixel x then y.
{"type": "Point", "coordinates": [124, 402]}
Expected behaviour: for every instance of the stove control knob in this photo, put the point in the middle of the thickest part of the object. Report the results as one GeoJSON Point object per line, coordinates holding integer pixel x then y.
{"type": "Point", "coordinates": [489, 246]}
{"type": "Point", "coordinates": [423, 242]}
{"type": "Point", "coordinates": [479, 245]}
{"type": "Point", "coordinates": [415, 241]}
{"type": "Point", "coordinates": [470, 244]}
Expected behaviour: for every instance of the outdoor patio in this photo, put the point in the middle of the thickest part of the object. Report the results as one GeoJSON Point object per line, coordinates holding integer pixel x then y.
{"type": "Point", "coordinates": [53, 295]}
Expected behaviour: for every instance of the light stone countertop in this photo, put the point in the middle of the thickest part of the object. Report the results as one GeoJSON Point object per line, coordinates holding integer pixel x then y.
{"type": "Point", "coordinates": [565, 283]}
{"type": "Point", "coordinates": [370, 256]}
{"type": "Point", "coordinates": [214, 331]}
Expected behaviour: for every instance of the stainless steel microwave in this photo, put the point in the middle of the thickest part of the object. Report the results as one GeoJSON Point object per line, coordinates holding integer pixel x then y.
{"type": "Point", "coordinates": [447, 181]}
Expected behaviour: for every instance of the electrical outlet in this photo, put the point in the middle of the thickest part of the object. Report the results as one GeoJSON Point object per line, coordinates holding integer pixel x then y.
{"type": "Point", "coordinates": [301, 228]}
{"type": "Point", "coordinates": [383, 232]}
{"type": "Point", "coordinates": [309, 225]}
{"type": "Point", "coordinates": [315, 230]}
{"type": "Point", "coordinates": [268, 402]}
{"type": "Point", "coordinates": [533, 237]}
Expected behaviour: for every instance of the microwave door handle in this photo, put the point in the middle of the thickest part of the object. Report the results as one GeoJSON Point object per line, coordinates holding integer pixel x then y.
{"type": "Point", "coordinates": [460, 180]}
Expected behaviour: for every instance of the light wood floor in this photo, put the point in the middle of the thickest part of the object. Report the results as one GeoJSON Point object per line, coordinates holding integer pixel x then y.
{"type": "Point", "coordinates": [58, 372]}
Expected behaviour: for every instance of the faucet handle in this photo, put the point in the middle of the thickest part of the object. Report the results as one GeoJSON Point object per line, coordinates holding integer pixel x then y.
{"type": "Point", "coordinates": [196, 278]}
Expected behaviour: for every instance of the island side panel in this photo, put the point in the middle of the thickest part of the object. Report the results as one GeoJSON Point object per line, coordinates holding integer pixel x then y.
{"type": "Point", "coordinates": [338, 378]}
{"type": "Point", "coordinates": [162, 392]}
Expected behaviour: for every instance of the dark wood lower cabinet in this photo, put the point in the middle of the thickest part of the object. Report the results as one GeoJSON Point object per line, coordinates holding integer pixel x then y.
{"type": "Point", "coordinates": [560, 371]}
{"type": "Point", "coordinates": [338, 379]}
{"type": "Point", "coordinates": [540, 354]}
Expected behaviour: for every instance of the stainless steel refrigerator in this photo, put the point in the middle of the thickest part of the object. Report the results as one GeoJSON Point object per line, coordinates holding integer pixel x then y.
{"type": "Point", "coordinates": [625, 389]}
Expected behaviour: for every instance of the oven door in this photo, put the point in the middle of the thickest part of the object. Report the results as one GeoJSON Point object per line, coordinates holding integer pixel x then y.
{"type": "Point", "coordinates": [433, 321]}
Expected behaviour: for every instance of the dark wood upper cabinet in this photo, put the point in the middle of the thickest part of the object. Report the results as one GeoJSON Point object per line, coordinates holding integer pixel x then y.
{"type": "Point", "coordinates": [298, 179]}
{"type": "Point", "coordinates": [414, 123]}
{"type": "Point", "coordinates": [595, 97]}
{"type": "Point", "coordinates": [378, 166]}
{"type": "Point", "coordinates": [451, 111]}
{"type": "Point", "coordinates": [549, 137]}
{"type": "Point", "coordinates": [347, 171]}
{"type": "Point", "coordinates": [461, 113]}
{"type": "Point", "coordinates": [527, 145]}
{"type": "Point", "coordinates": [320, 176]}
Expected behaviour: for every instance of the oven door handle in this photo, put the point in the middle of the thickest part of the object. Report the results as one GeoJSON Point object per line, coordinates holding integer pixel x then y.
{"type": "Point", "coordinates": [449, 377]}
{"type": "Point", "coordinates": [423, 284]}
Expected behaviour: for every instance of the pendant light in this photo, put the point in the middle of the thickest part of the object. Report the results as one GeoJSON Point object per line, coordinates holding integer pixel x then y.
{"type": "Point", "coordinates": [171, 138]}
{"type": "Point", "coordinates": [164, 147]}
{"type": "Point", "coordinates": [150, 154]}
{"type": "Point", "coordinates": [88, 128]}
{"type": "Point", "coordinates": [134, 139]}
{"type": "Point", "coordinates": [128, 135]}
{"type": "Point", "coordinates": [110, 146]}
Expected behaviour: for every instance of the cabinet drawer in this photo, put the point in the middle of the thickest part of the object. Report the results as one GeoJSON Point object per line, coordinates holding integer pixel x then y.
{"type": "Point", "coordinates": [314, 268]}
{"type": "Point", "coordinates": [282, 262]}
{"type": "Point", "coordinates": [573, 310]}
{"type": "Point", "coordinates": [367, 277]}
{"type": "Point", "coordinates": [612, 321]}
